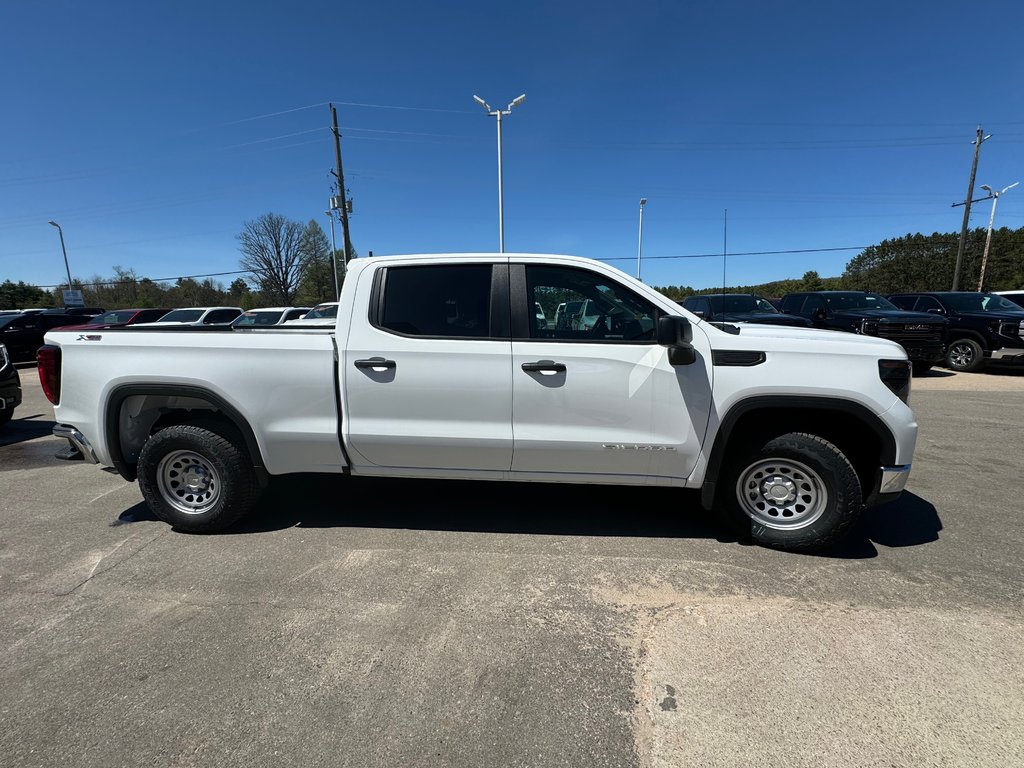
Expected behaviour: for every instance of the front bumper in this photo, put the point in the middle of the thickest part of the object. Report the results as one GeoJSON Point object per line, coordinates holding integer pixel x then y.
{"type": "Point", "coordinates": [924, 353]}
{"type": "Point", "coordinates": [10, 390]}
{"type": "Point", "coordinates": [891, 482]}
{"type": "Point", "coordinates": [1014, 355]}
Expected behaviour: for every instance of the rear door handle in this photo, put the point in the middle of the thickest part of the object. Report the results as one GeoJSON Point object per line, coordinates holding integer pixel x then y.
{"type": "Point", "coordinates": [544, 366]}
{"type": "Point", "coordinates": [376, 363]}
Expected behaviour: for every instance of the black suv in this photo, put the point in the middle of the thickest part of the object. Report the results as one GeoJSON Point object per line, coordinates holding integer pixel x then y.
{"type": "Point", "coordinates": [740, 308]}
{"type": "Point", "coordinates": [10, 387]}
{"type": "Point", "coordinates": [23, 333]}
{"type": "Point", "coordinates": [920, 333]}
{"type": "Point", "coordinates": [981, 326]}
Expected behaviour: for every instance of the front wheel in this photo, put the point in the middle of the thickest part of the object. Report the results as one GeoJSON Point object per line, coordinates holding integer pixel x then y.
{"type": "Point", "coordinates": [798, 492]}
{"type": "Point", "coordinates": [196, 479]}
{"type": "Point", "coordinates": [965, 355]}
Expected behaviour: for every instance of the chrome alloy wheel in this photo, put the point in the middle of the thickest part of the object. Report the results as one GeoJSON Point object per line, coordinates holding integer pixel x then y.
{"type": "Point", "coordinates": [961, 355]}
{"type": "Point", "coordinates": [781, 493]}
{"type": "Point", "coordinates": [188, 482]}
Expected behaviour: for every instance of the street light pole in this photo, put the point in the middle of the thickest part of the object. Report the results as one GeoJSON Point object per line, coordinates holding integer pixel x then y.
{"type": "Point", "coordinates": [499, 113]}
{"type": "Point", "coordinates": [64, 251]}
{"type": "Point", "coordinates": [991, 220]}
{"type": "Point", "coordinates": [334, 256]}
{"type": "Point", "coordinates": [640, 237]}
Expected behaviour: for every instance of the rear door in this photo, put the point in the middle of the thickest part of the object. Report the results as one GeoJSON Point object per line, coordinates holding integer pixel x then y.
{"type": "Point", "coordinates": [428, 373]}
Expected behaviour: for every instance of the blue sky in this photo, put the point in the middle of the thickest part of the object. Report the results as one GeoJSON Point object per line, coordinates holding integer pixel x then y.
{"type": "Point", "coordinates": [142, 128]}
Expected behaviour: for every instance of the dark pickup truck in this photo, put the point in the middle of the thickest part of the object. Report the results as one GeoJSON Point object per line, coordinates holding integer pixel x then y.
{"type": "Point", "coordinates": [740, 308]}
{"type": "Point", "coordinates": [981, 326]}
{"type": "Point", "coordinates": [10, 387]}
{"type": "Point", "coordinates": [921, 334]}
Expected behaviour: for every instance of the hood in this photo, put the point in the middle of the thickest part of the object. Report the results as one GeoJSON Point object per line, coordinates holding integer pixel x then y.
{"type": "Point", "coordinates": [767, 318]}
{"type": "Point", "coordinates": [1002, 314]}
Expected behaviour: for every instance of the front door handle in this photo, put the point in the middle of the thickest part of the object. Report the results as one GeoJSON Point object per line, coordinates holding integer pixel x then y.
{"type": "Point", "coordinates": [376, 363]}
{"type": "Point", "coordinates": [544, 366]}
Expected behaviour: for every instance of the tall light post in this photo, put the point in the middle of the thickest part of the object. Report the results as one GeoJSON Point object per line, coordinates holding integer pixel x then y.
{"type": "Point", "coordinates": [334, 256]}
{"type": "Point", "coordinates": [499, 113]}
{"type": "Point", "coordinates": [991, 220]}
{"type": "Point", "coordinates": [64, 251]}
{"type": "Point", "coordinates": [640, 237]}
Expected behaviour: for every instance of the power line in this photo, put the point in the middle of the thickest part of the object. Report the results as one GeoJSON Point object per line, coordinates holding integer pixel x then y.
{"type": "Point", "coordinates": [151, 279]}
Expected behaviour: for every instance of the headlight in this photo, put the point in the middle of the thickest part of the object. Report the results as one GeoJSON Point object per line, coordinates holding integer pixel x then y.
{"type": "Point", "coordinates": [3, 356]}
{"type": "Point", "coordinates": [895, 374]}
{"type": "Point", "coordinates": [869, 327]}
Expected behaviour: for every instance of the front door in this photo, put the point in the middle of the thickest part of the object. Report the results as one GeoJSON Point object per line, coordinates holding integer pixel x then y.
{"type": "Point", "coordinates": [599, 398]}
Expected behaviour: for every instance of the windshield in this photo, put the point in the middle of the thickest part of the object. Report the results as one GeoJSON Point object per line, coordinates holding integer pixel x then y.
{"type": "Point", "coordinates": [754, 304]}
{"type": "Point", "coordinates": [855, 300]}
{"type": "Point", "coordinates": [258, 318]}
{"type": "Point", "coordinates": [979, 302]}
{"type": "Point", "coordinates": [322, 310]}
{"type": "Point", "coordinates": [182, 316]}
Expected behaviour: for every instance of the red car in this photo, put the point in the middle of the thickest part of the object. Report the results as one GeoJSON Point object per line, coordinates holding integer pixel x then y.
{"type": "Point", "coordinates": [118, 318]}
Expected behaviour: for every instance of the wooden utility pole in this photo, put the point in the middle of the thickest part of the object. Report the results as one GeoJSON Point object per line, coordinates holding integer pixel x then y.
{"type": "Point", "coordinates": [967, 209]}
{"type": "Point", "coordinates": [341, 185]}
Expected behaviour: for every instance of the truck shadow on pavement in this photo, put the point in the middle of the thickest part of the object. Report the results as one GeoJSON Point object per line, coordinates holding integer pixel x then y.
{"type": "Point", "coordinates": [314, 501]}
{"type": "Point", "coordinates": [21, 429]}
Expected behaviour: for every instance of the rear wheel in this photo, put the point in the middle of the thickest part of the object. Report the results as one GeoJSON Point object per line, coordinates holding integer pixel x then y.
{"type": "Point", "coordinates": [798, 492]}
{"type": "Point", "coordinates": [964, 355]}
{"type": "Point", "coordinates": [197, 479]}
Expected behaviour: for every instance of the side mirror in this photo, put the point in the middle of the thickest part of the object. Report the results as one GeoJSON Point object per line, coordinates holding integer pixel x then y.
{"type": "Point", "coordinates": [676, 333]}
{"type": "Point", "coordinates": [935, 311]}
{"type": "Point", "coordinates": [698, 312]}
{"type": "Point", "coordinates": [818, 314]}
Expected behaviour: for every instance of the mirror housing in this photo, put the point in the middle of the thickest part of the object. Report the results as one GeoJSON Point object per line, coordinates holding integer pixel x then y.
{"type": "Point", "coordinates": [676, 333]}
{"type": "Point", "coordinates": [698, 312]}
{"type": "Point", "coordinates": [935, 311]}
{"type": "Point", "coordinates": [819, 314]}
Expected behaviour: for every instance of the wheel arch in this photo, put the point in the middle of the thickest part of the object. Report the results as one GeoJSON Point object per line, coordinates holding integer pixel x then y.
{"type": "Point", "coordinates": [763, 417]}
{"type": "Point", "coordinates": [162, 405]}
{"type": "Point", "coordinates": [966, 333]}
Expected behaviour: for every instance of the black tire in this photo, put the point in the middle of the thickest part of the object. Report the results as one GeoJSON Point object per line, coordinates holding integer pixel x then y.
{"type": "Point", "coordinates": [6, 415]}
{"type": "Point", "coordinates": [822, 499]}
{"type": "Point", "coordinates": [922, 368]}
{"type": "Point", "coordinates": [197, 479]}
{"type": "Point", "coordinates": [964, 355]}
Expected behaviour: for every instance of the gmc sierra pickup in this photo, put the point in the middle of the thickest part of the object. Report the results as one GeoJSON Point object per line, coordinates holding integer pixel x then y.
{"type": "Point", "coordinates": [439, 367]}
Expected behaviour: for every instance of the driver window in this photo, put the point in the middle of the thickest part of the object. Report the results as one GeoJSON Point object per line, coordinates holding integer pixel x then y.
{"type": "Point", "coordinates": [586, 307]}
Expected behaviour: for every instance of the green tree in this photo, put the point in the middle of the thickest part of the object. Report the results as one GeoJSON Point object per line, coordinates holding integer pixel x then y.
{"type": "Point", "coordinates": [317, 280]}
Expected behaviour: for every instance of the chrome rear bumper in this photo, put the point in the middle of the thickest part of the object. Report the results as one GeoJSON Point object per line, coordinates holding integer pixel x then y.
{"type": "Point", "coordinates": [78, 440]}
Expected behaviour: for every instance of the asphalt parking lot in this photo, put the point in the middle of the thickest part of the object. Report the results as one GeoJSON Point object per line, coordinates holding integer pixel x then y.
{"type": "Point", "coordinates": [515, 625]}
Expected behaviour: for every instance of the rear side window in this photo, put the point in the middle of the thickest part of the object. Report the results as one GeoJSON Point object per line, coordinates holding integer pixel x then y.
{"type": "Point", "coordinates": [445, 301]}
{"type": "Point", "coordinates": [903, 302]}
{"type": "Point", "coordinates": [792, 303]}
{"type": "Point", "coordinates": [221, 316]}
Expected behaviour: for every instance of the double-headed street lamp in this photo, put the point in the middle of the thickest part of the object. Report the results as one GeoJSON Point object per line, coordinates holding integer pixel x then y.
{"type": "Point", "coordinates": [334, 255]}
{"type": "Point", "coordinates": [64, 251]}
{"type": "Point", "coordinates": [499, 113]}
{"type": "Point", "coordinates": [640, 237]}
{"type": "Point", "coordinates": [991, 220]}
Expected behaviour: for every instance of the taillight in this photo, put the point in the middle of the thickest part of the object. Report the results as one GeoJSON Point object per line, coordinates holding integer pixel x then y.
{"type": "Point", "coordinates": [48, 360]}
{"type": "Point", "coordinates": [895, 374]}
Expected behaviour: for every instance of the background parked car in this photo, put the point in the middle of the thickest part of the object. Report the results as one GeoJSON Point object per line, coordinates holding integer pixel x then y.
{"type": "Point", "coordinates": [325, 313]}
{"type": "Point", "coordinates": [1017, 297]}
{"type": "Point", "coordinates": [982, 326]}
{"type": "Point", "coordinates": [198, 316]}
{"type": "Point", "coordinates": [268, 316]}
{"type": "Point", "coordinates": [741, 308]}
{"type": "Point", "coordinates": [23, 334]}
{"type": "Point", "coordinates": [119, 318]}
{"type": "Point", "coordinates": [921, 334]}
{"type": "Point", "coordinates": [10, 387]}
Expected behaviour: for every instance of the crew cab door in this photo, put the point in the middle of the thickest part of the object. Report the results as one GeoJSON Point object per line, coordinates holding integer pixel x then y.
{"type": "Point", "coordinates": [427, 371]}
{"type": "Point", "coordinates": [604, 400]}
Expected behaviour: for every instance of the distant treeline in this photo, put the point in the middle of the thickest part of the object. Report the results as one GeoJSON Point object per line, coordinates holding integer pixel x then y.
{"type": "Point", "coordinates": [914, 262]}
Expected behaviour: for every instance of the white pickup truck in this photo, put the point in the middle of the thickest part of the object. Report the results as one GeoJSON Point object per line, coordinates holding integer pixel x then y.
{"type": "Point", "coordinates": [438, 367]}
